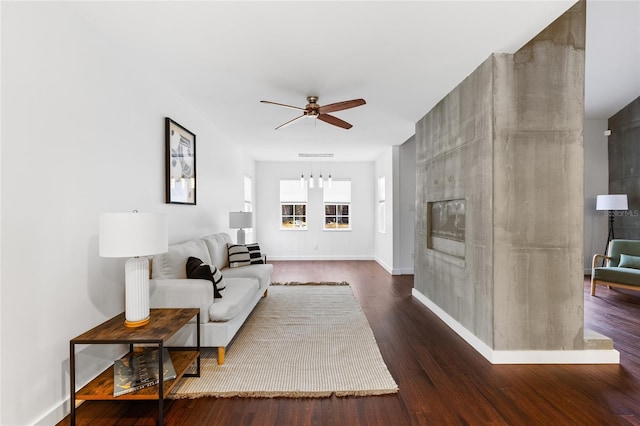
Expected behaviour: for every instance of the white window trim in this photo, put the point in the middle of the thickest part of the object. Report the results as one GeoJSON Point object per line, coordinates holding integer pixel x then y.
{"type": "Point", "coordinates": [336, 229]}
{"type": "Point", "coordinates": [341, 198]}
{"type": "Point", "coordinates": [248, 203]}
{"type": "Point", "coordinates": [294, 195]}
{"type": "Point", "coordinates": [297, 203]}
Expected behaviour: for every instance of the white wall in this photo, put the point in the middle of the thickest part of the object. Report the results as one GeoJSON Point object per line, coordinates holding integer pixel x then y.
{"type": "Point", "coordinates": [596, 182]}
{"type": "Point", "coordinates": [315, 243]}
{"type": "Point", "coordinates": [82, 134]}
{"type": "Point", "coordinates": [1, 237]}
{"type": "Point", "coordinates": [407, 204]}
{"type": "Point", "coordinates": [385, 242]}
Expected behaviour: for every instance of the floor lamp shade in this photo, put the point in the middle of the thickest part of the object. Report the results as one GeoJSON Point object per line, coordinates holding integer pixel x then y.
{"type": "Point", "coordinates": [133, 235]}
{"type": "Point", "coordinates": [612, 202]}
{"type": "Point", "coordinates": [240, 220]}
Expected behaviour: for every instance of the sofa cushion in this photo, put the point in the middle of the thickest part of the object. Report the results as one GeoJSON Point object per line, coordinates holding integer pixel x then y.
{"type": "Point", "coordinates": [260, 272]}
{"type": "Point", "coordinates": [172, 264]}
{"type": "Point", "coordinates": [240, 293]}
{"type": "Point", "coordinates": [628, 261]}
{"type": "Point", "coordinates": [619, 275]}
{"type": "Point", "coordinates": [239, 255]}
{"type": "Point", "coordinates": [217, 246]}
{"type": "Point", "coordinates": [197, 269]}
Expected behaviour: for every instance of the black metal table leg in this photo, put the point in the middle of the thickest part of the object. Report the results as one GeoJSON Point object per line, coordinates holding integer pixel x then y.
{"type": "Point", "coordinates": [72, 380]}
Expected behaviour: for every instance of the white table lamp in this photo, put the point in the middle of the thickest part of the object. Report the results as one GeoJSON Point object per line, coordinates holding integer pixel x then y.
{"type": "Point", "coordinates": [240, 220]}
{"type": "Point", "coordinates": [132, 235]}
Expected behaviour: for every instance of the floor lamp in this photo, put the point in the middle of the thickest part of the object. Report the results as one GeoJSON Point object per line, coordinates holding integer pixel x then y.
{"type": "Point", "coordinates": [611, 202]}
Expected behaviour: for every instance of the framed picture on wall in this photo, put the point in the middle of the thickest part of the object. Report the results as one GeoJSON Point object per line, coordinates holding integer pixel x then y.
{"type": "Point", "coordinates": [180, 167]}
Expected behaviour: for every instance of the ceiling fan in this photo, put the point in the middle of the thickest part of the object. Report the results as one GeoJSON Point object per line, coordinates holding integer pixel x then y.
{"type": "Point", "coordinates": [320, 112]}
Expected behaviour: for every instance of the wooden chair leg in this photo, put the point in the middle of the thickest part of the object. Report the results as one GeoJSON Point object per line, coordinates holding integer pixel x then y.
{"type": "Point", "coordinates": [220, 355]}
{"type": "Point", "coordinates": [593, 286]}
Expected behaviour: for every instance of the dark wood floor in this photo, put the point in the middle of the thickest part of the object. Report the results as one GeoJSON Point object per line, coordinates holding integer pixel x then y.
{"type": "Point", "coordinates": [442, 380]}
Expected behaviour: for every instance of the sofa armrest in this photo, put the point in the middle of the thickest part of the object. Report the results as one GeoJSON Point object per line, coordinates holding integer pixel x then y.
{"type": "Point", "coordinates": [595, 260]}
{"type": "Point", "coordinates": [182, 293]}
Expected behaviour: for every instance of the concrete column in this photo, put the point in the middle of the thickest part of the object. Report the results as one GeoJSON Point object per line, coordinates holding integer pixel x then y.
{"type": "Point", "coordinates": [508, 140]}
{"type": "Point", "coordinates": [538, 190]}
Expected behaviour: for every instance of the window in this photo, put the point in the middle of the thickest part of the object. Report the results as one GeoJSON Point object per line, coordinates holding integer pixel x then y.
{"type": "Point", "coordinates": [248, 190]}
{"type": "Point", "coordinates": [382, 194]}
{"type": "Point", "coordinates": [293, 205]}
{"type": "Point", "coordinates": [337, 205]}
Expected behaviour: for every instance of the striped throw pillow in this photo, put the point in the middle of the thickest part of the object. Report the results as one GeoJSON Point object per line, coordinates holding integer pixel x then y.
{"type": "Point", "coordinates": [197, 269]}
{"type": "Point", "coordinates": [218, 280]}
{"type": "Point", "coordinates": [254, 253]}
{"type": "Point", "coordinates": [238, 255]}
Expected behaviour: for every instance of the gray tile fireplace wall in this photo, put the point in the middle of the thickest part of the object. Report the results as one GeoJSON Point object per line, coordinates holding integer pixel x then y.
{"type": "Point", "coordinates": [624, 168]}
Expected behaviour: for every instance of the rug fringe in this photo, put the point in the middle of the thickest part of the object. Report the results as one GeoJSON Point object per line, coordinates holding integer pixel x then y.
{"type": "Point", "coordinates": [311, 283]}
{"type": "Point", "coordinates": [284, 394]}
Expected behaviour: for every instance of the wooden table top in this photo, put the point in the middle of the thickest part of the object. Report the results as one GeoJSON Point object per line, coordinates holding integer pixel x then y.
{"type": "Point", "coordinates": [163, 324]}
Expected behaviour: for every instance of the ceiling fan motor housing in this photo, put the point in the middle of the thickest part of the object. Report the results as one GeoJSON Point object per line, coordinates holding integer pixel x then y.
{"type": "Point", "coordinates": [312, 107]}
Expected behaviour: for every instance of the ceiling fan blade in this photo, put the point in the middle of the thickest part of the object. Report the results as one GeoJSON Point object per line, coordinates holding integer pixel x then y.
{"type": "Point", "coordinates": [290, 122]}
{"type": "Point", "coordinates": [339, 106]}
{"type": "Point", "coordinates": [283, 105]}
{"type": "Point", "coordinates": [334, 120]}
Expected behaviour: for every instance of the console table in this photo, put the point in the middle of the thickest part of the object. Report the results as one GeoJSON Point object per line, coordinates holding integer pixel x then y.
{"type": "Point", "coordinates": [163, 324]}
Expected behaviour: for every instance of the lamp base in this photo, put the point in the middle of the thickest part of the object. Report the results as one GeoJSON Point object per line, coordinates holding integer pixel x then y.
{"type": "Point", "coordinates": [136, 292]}
{"type": "Point", "coordinates": [136, 323]}
{"type": "Point", "coordinates": [240, 236]}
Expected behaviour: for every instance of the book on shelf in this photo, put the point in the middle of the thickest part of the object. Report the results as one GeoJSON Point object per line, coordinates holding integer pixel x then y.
{"type": "Point", "coordinates": [139, 369]}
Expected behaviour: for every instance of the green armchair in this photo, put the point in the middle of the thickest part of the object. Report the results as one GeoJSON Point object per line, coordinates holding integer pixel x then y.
{"type": "Point", "coordinates": [622, 266]}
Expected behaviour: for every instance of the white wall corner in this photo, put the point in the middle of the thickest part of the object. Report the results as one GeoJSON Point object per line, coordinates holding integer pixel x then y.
{"type": "Point", "coordinates": [386, 267]}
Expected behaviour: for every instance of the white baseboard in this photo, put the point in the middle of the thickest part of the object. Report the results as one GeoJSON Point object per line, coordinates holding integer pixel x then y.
{"type": "Point", "coordinates": [591, 356]}
{"type": "Point", "coordinates": [319, 257]}
{"type": "Point", "coordinates": [54, 415]}
{"type": "Point", "coordinates": [388, 268]}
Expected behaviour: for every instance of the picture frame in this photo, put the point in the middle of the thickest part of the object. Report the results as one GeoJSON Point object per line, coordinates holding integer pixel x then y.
{"type": "Point", "coordinates": [180, 164]}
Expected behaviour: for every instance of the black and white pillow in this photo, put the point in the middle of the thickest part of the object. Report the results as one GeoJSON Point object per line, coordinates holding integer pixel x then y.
{"type": "Point", "coordinates": [254, 253]}
{"type": "Point", "coordinates": [244, 254]}
{"type": "Point", "coordinates": [197, 269]}
{"type": "Point", "coordinates": [238, 255]}
{"type": "Point", "coordinates": [218, 280]}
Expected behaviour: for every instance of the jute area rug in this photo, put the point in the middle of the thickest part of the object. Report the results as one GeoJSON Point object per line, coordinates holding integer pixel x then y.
{"type": "Point", "coordinates": [300, 341]}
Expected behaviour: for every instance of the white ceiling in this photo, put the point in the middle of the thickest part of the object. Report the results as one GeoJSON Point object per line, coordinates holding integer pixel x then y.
{"type": "Point", "coordinates": [402, 57]}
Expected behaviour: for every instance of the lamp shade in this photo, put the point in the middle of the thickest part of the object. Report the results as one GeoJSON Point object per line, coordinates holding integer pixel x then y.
{"type": "Point", "coordinates": [132, 234]}
{"type": "Point", "coordinates": [239, 220]}
{"type": "Point", "coordinates": [612, 202]}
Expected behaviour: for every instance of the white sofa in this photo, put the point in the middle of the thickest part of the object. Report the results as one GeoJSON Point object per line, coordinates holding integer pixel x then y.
{"type": "Point", "coordinates": [221, 318]}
